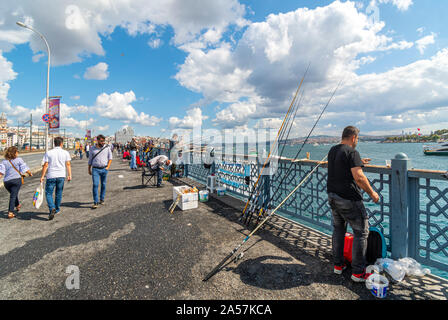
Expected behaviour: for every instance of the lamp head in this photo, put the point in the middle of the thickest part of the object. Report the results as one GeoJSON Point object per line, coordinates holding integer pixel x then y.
{"type": "Point", "coordinates": [21, 24]}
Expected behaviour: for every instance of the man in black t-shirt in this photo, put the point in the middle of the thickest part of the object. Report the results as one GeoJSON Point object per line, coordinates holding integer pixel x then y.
{"type": "Point", "coordinates": [345, 181]}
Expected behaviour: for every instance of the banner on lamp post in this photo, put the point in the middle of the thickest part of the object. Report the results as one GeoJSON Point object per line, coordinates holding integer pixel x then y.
{"type": "Point", "coordinates": [54, 111]}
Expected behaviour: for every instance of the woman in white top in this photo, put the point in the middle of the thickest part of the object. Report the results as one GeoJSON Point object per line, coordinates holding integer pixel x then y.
{"type": "Point", "coordinates": [13, 169]}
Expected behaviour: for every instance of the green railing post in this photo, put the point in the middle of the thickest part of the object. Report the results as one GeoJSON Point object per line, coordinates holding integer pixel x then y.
{"type": "Point", "coordinates": [399, 200]}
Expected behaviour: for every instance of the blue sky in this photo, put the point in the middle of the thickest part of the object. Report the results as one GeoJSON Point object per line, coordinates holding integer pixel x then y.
{"type": "Point", "coordinates": [228, 64]}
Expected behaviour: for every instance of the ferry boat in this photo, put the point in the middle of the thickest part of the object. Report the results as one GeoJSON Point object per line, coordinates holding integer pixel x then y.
{"type": "Point", "coordinates": [440, 149]}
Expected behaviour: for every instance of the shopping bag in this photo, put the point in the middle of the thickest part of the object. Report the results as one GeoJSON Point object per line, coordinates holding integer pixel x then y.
{"type": "Point", "coordinates": [38, 197]}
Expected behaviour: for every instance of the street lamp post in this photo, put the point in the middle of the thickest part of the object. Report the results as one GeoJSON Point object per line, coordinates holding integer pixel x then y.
{"type": "Point", "coordinates": [21, 24]}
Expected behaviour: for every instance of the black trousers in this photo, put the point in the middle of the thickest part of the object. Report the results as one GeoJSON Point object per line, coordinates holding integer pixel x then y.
{"type": "Point", "coordinates": [13, 186]}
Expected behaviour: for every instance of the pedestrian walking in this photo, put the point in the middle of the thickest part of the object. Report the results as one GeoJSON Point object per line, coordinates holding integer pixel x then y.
{"type": "Point", "coordinates": [87, 149]}
{"type": "Point", "coordinates": [57, 165]}
{"type": "Point", "coordinates": [100, 159]}
{"type": "Point", "coordinates": [156, 164]}
{"type": "Point", "coordinates": [80, 151]}
{"type": "Point", "coordinates": [345, 181]}
{"type": "Point", "coordinates": [133, 146]}
{"type": "Point", "coordinates": [13, 169]}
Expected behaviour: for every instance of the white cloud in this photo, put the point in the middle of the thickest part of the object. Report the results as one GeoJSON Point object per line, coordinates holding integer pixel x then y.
{"type": "Point", "coordinates": [75, 97]}
{"type": "Point", "coordinates": [236, 114]}
{"type": "Point", "coordinates": [193, 119]}
{"type": "Point", "coordinates": [270, 58]}
{"type": "Point", "coordinates": [117, 106]}
{"type": "Point", "coordinates": [155, 43]}
{"type": "Point", "coordinates": [402, 5]}
{"type": "Point", "coordinates": [75, 28]}
{"type": "Point", "coordinates": [102, 128]}
{"type": "Point", "coordinates": [7, 74]}
{"type": "Point", "coordinates": [424, 42]}
{"type": "Point", "coordinates": [37, 57]}
{"type": "Point", "coordinates": [97, 72]}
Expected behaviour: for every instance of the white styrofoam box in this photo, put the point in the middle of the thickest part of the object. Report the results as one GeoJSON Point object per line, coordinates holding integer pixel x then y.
{"type": "Point", "coordinates": [186, 197]}
{"type": "Point", "coordinates": [188, 205]}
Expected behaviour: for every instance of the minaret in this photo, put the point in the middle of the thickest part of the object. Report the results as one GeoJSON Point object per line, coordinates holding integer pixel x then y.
{"type": "Point", "coordinates": [3, 121]}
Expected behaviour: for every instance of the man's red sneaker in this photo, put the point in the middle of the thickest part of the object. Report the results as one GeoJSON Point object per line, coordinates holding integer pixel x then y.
{"type": "Point", "coordinates": [339, 269]}
{"type": "Point", "coordinates": [360, 277]}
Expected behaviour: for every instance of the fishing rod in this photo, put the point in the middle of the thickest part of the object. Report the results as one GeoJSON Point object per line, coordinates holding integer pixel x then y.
{"type": "Point", "coordinates": [266, 203]}
{"type": "Point", "coordinates": [254, 207]}
{"type": "Point", "coordinates": [252, 210]}
{"type": "Point", "coordinates": [275, 142]}
{"type": "Point", "coordinates": [235, 250]}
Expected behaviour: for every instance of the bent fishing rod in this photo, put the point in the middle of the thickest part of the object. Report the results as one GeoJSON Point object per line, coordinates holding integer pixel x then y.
{"type": "Point", "coordinates": [238, 247]}
{"type": "Point", "coordinates": [278, 134]}
{"type": "Point", "coordinates": [266, 203]}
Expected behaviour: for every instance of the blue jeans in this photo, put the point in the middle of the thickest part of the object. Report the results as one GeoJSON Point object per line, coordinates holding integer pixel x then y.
{"type": "Point", "coordinates": [51, 184]}
{"type": "Point", "coordinates": [133, 159]}
{"type": "Point", "coordinates": [353, 213]}
{"type": "Point", "coordinates": [159, 175]}
{"type": "Point", "coordinates": [13, 186]}
{"type": "Point", "coordinates": [99, 175]}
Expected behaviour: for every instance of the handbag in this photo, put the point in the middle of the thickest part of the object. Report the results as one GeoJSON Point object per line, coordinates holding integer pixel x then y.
{"type": "Point", "coordinates": [38, 196]}
{"type": "Point", "coordinates": [21, 175]}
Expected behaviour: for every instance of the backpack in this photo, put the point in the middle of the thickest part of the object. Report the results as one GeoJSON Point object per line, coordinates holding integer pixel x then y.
{"type": "Point", "coordinates": [376, 246]}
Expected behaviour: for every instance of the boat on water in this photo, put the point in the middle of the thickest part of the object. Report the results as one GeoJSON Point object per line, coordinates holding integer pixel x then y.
{"type": "Point", "coordinates": [440, 149]}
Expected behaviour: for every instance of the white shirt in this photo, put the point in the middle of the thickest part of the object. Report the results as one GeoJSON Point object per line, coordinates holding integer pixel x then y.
{"type": "Point", "coordinates": [159, 161]}
{"type": "Point", "coordinates": [56, 159]}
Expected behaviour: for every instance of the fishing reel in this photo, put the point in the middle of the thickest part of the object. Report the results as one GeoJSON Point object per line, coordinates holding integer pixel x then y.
{"type": "Point", "coordinates": [238, 257]}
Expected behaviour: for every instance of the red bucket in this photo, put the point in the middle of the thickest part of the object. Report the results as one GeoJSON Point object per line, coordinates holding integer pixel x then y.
{"type": "Point", "coordinates": [348, 244]}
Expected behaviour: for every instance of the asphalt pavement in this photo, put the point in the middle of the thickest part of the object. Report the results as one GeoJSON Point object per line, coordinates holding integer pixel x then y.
{"type": "Point", "coordinates": [133, 248]}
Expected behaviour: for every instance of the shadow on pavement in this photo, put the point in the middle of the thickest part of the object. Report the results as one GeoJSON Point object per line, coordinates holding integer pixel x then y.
{"type": "Point", "coordinates": [25, 215]}
{"type": "Point", "coordinates": [76, 204]}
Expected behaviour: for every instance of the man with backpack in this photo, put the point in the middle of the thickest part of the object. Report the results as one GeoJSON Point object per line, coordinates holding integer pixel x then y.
{"type": "Point", "coordinates": [345, 181]}
{"type": "Point", "coordinates": [100, 159]}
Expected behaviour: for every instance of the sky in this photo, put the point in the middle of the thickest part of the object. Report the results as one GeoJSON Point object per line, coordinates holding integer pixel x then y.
{"type": "Point", "coordinates": [166, 65]}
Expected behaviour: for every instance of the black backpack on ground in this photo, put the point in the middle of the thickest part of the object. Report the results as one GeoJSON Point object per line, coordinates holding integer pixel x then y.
{"type": "Point", "coordinates": [376, 246]}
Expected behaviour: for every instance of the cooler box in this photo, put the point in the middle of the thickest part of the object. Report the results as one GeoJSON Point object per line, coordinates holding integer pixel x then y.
{"type": "Point", "coordinates": [348, 244]}
{"type": "Point", "coordinates": [188, 200]}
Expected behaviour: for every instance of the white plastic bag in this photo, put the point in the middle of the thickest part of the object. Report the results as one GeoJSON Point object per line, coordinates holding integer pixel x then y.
{"type": "Point", "coordinates": [413, 268]}
{"type": "Point", "coordinates": [393, 268]}
{"type": "Point", "coordinates": [38, 197]}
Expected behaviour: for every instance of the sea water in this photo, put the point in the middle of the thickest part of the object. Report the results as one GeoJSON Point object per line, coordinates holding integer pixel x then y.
{"type": "Point", "coordinates": [379, 153]}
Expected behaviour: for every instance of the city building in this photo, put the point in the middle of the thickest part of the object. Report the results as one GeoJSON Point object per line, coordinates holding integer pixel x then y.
{"type": "Point", "coordinates": [124, 135]}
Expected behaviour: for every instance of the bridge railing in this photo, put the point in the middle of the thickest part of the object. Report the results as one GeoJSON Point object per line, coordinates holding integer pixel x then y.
{"type": "Point", "coordinates": [412, 211]}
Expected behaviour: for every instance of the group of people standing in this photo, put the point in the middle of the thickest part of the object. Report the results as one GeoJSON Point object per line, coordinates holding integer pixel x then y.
{"type": "Point", "coordinates": [56, 168]}
{"type": "Point", "coordinates": [143, 155]}
{"type": "Point", "coordinates": [80, 149]}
